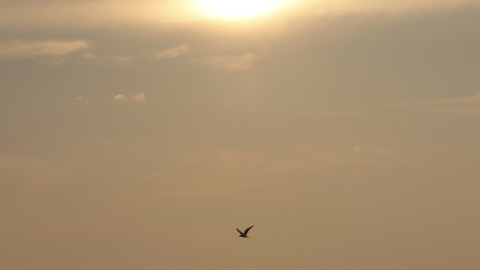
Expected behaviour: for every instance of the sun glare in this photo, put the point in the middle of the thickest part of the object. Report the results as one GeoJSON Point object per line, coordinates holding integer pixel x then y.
{"type": "Point", "coordinates": [239, 9]}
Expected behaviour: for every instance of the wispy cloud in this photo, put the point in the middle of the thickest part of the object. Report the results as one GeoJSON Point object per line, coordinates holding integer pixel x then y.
{"type": "Point", "coordinates": [173, 52]}
{"type": "Point", "coordinates": [98, 14]}
{"type": "Point", "coordinates": [460, 105]}
{"type": "Point", "coordinates": [26, 173]}
{"type": "Point", "coordinates": [140, 97]}
{"type": "Point", "coordinates": [137, 98]}
{"type": "Point", "coordinates": [238, 163]}
{"type": "Point", "coordinates": [88, 55]}
{"type": "Point", "coordinates": [105, 58]}
{"type": "Point", "coordinates": [120, 98]}
{"type": "Point", "coordinates": [372, 155]}
{"type": "Point", "coordinates": [389, 6]}
{"type": "Point", "coordinates": [238, 62]}
{"type": "Point", "coordinates": [55, 48]}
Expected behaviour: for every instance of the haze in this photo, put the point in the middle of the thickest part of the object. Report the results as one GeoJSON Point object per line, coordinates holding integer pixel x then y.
{"type": "Point", "coordinates": [140, 134]}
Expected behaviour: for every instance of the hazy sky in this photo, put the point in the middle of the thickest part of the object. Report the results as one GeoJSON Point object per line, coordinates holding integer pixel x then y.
{"type": "Point", "coordinates": [140, 134]}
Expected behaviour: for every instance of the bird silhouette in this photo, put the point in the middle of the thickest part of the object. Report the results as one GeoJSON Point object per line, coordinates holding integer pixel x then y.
{"type": "Point", "coordinates": [244, 234]}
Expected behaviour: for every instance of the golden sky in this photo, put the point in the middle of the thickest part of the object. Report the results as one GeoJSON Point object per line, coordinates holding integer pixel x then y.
{"type": "Point", "coordinates": [140, 134]}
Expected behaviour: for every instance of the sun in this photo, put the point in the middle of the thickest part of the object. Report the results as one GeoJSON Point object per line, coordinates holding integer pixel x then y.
{"type": "Point", "coordinates": [239, 9]}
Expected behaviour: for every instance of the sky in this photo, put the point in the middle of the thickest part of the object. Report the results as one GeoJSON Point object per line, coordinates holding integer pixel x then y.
{"type": "Point", "coordinates": [141, 134]}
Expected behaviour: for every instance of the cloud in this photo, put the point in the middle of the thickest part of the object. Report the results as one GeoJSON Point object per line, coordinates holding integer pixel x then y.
{"type": "Point", "coordinates": [373, 155]}
{"type": "Point", "coordinates": [137, 98]}
{"type": "Point", "coordinates": [24, 173]}
{"type": "Point", "coordinates": [258, 161]}
{"type": "Point", "coordinates": [470, 100]}
{"type": "Point", "coordinates": [105, 58]}
{"type": "Point", "coordinates": [329, 7]}
{"type": "Point", "coordinates": [56, 48]}
{"type": "Point", "coordinates": [237, 62]}
{"type": "Point", "coordinates": [240, 62]}
{"type": "Point", "coordinates": [82, 100]}
{"type": "Point", "coordinates": [91, 14]}
{"type": "Point", "coordinates": [460, 105]}
{"type": "Point", "coordinates": [113, 58]}
{"type": "Point", "coordinates": [88, 55]}
{"type": "Point", "coordinates": [120, 98]}
{"type": "Point", "coordinates": [140, 97]}
{"type": "Point", "coordinates": [173, 52]}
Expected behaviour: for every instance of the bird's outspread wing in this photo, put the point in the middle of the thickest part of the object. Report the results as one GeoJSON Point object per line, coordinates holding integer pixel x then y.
{"type": "Point", "coordinates": [248, 229]}
{"type": "Point", "coordinates": [239, 231]}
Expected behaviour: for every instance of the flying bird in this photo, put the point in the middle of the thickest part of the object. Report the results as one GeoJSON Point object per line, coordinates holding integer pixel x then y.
{"type": "Point", "coordinates": [244, 234]}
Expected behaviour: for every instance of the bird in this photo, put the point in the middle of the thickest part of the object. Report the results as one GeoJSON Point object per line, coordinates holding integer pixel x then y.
{"type": "Point", "coordinates": [244, 234]}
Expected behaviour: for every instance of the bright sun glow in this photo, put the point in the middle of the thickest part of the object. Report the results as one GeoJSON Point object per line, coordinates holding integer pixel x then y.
{"type": "Point", "coordinates": [239, 9]}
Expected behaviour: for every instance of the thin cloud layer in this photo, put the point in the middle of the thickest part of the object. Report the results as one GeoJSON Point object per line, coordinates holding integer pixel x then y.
{"type": "Point", "coordinates": [137, 98]}
{"type": "Point", "coordinates": [331, 7]}
{"type": "Point", "coordinates": [92, 13]}
{"type": "Point", "coordinates": [461, 105]}
{"type": "Point", "coordinates": [305, 160]}
{"type": "Point", "coordinates": [26, 173]}
{"type": "Point", "coordinates": [173, 52]}
{"type": "Point", "coordinates": [237, 62]}
{"type": "Point", "coordinates": [105, 58]}
{"type": "Point", "coordinates": [279, 125]}
{"type": "Point", "coordinates": [55, 48]}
